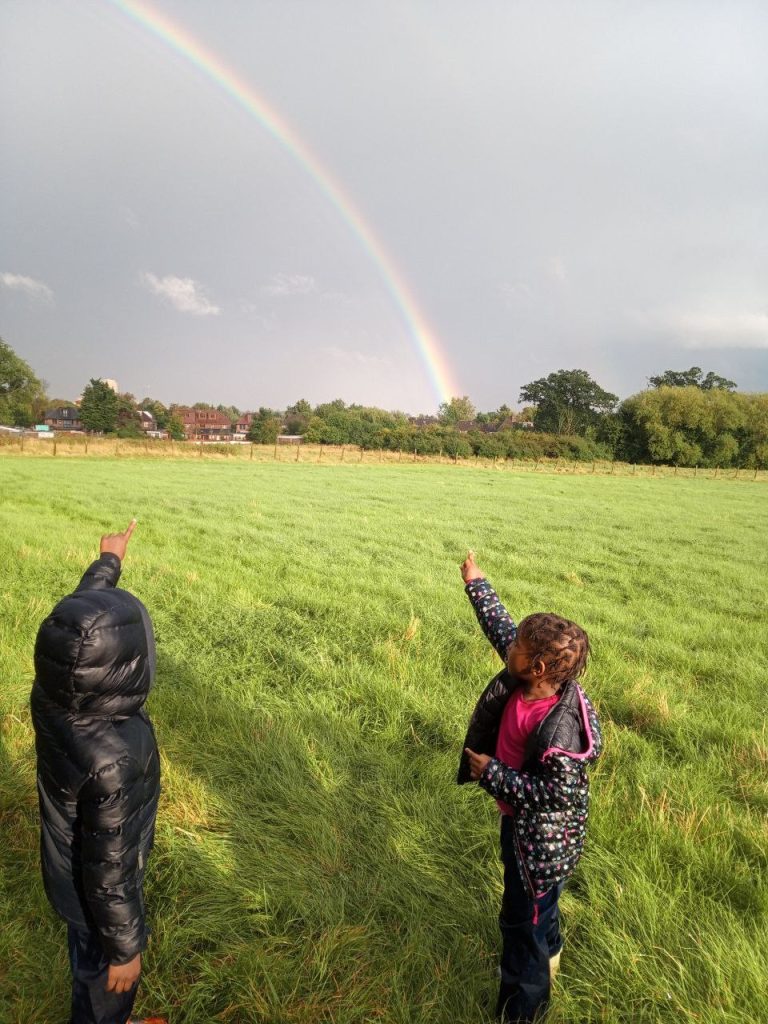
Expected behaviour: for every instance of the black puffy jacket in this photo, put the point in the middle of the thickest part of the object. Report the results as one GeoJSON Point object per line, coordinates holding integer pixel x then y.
{"type": "Point", "coordinates": [98, 771]}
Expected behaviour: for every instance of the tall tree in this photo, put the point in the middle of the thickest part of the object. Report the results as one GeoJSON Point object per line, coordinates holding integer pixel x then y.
{"type": "Point", "coordinates": [567, 402]}
{"type": "Point", "coordinates": [22, 394]}
{"type": "Point", "coordinates": [457, 410]}
{"type": "Point", "coordinates": [98, 407]}
{"type": "Point", "coordinates": [692, 378]}
{"type": "Point", "coordinates": [265, 426]}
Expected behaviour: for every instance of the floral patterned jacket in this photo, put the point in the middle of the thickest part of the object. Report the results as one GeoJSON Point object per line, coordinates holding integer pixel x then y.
{"type": "Point", "coordinates": [551, 792]}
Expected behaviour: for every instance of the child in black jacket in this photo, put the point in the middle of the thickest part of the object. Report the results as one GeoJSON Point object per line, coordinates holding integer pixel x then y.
{"type": "Point", "coordinates": [98, 779]}
{"type": "Point", "coordinates": [530, 738]}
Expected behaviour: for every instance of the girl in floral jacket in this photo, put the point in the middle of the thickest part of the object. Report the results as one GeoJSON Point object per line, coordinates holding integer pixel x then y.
{"type": "Point", "coordinates": [530, 739]}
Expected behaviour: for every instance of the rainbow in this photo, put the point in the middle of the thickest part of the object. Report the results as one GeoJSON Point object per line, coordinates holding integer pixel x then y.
{"type": "Point", "coordinates": [425, 340]}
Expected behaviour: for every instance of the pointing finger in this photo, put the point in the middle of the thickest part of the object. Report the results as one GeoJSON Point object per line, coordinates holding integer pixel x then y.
{"type": "Point", "coordinates": [131, 528]}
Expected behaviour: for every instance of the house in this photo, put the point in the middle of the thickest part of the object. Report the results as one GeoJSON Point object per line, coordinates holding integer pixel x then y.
{"type": "Point", "coordinates": [147, 421]}
{"type": "Point", "coordinates": [205, 424]}
{"type": "Point", "coordinates": [242, 426]}
{"type": "Point", "coordinates": [63, 417]}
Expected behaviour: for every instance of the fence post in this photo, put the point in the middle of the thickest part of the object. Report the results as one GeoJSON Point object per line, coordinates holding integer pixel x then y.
{"type": "Point", "coordinates": [86, 444]}
{"type": "Point", "coordinates": [54, 445]}
{"type": "Point", "coordinates": [715, 476]}
{"type": "Point", "coordinates": [593, 466]}
{"type": "Point", "coordinates": [695, 471]}
{"type": "Point", "coordinates": [361, 452]}
{"type": "Point", "coordinates": [298, 449]}
{"type": "Point", "coordinates": [613, 466]}
{"type": "Point", "coordinates": [399, 454]}
{"type": "Point", "coordinates": [414, 454]}
{"type": "Point", "coordinates": [755, 476]}
{"type": "Point", "coordinates": [21, 440]}
{"type": "Point", "coordinates": [342, 452]}
{"type": "Point", "coordinates": [251, 451]}
{"type": "Point", "coordinates": [201, 450]}
{"type": "Point", "coordinates": [320, 456]}
{"type": "Point", "coordinates": [675, 473]}
{"type": "Point", "coordinates": [275, 453]}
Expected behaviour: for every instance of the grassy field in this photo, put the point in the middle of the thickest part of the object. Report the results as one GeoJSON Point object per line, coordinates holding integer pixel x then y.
{"type": "Point", "coordinates": [317, 664]}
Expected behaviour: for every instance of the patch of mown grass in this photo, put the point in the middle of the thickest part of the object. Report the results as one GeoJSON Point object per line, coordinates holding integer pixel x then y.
{"type": "Point", "coordinates": [317, 664]}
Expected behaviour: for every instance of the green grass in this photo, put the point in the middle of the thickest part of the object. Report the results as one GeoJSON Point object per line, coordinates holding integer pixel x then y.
{"type": "Point", "coordinates": [317, 665]}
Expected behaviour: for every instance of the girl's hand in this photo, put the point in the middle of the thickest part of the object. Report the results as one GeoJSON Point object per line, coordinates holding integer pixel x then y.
{"type": "Point", "coordinates": [116, 543]}
{"type": "Point", "coordinates": [469, 571]}
{"type": "Point", "coordinates": [477, 763]}
{"type": "Point", "coordinates": [122, 977]}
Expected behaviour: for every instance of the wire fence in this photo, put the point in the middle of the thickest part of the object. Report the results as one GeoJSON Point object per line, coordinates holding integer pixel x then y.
{"type": "Point", "coordinates": [68, 446]}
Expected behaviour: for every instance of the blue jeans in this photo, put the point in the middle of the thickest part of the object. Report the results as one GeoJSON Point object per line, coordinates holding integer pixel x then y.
{"type": "Point", "coordinates": [91, 1003]}
{"type": "Point", "coordinates": [530, 932]}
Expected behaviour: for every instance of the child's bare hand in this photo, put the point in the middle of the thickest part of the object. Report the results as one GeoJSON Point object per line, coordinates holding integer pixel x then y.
{"type": "Point", "coordinates": [122, 977]}
{"type": "Point", "coordinates": [477, 763]}
{"type": "Point", "coordinates": [469, 571]}
{"type": "Point", "coordinates": [116, 543]}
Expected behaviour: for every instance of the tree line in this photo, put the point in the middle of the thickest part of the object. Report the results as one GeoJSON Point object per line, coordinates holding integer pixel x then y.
{"type": "Point", "coordinates": [684, 418]}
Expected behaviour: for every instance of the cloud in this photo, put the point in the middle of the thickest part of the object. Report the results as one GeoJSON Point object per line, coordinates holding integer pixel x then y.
{"type": "Point", "coordinates": [712, 330]}
{"type": "Point", "coordinates": [291, 284]}
{"type": "Point", "coordinates": [181, 292]}
{"type": "Point", "coordinates": [346, 355]}
{"type": "Point", "coordinates": [28, 285]}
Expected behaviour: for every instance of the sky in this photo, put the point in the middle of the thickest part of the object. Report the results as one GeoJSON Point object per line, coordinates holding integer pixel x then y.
{"type": "Point", "coordinates": [250, 202]}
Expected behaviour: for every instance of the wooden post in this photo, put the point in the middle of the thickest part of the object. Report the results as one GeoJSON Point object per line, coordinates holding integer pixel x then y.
{"type": "Point", "coordinates": [342, 452]}
{"type": "Point", "coordinates": [201, 448]}
{"type": "Point", "coordinates": [593, 466]}
{"type": "Point", "coordinates": [86, 444]}
{"type": "Point", "coordinates": [634, 468]}
{"type": "Point", "coordinates": [736, 474]}
{"type": "Point", "coordinates": [715, 476]}
{"type": "Point", "coordinates": [361, 452]}
{"type": "Point", "coordinates": [695, 471]}
{"type": "Point", "coordinates": [440, 456]}
{"type": "Point", "coordinates": [21, 440]}
{"type": "Point", "coordinates": [399, 454]}
{"type": "Point", "coordinates": [320, 456]}
{"type": "Point", "coordinates": [613, 466]}
{"type": "Point", "coordinates": [251, 456]}
{"type": "Point", "coordinates": [298, 449]}
{"type": "Point", "coordinates": [653, 470]}
{"type": "Point", "coordinates": [675, 473]}
{"type": "Point", "coordinates": [755, 476]}
{"type": "Point", "coordinates": [54, 445]}
{"type": "Point", "coordinates": [535, 465]}
{"type": "Point", "coordinates": [381, 454]}
{"type": "Point", "coordinates": [275, 449]}
{"type": "Point", "coordinates": [414, 454]}
{"type": "Point", "coordinates": [494, 462]}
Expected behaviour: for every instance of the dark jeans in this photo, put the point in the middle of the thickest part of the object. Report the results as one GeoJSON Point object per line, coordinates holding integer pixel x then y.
{"type": "Point", "coordinates": [91, 1003]}
{"type": "Point", "coordinates": [530, 932]}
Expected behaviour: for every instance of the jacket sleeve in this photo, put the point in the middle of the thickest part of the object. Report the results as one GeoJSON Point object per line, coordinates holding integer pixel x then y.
{"type": "Point", "coordinates": [495, 621]}
{"type": "Point", "coordinates": [110, 833]}
{"type": "Point", "coordinates": [552, 790]}
{"type": "Point", "coordinates": [102, 574]}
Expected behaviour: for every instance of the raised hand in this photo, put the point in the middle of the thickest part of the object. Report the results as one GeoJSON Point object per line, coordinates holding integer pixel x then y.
{"type": "Point", "coordinates": [116, 543]}
{"type": "Point", "coordinates": [469, 570]}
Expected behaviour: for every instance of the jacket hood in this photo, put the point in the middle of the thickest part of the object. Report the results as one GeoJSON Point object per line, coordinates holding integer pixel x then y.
{"type": "Point", "coordinates": [94, 653]}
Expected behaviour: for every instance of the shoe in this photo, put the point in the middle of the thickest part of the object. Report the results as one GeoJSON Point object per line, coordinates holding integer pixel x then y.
{"type": "Point", "coordinates": [554, 967]}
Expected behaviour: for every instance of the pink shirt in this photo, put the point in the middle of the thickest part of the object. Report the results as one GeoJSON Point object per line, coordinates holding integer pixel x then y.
{"type": "Point", "coordinates": [519, 719]}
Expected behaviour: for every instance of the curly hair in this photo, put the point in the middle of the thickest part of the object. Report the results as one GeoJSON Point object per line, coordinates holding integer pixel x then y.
{"type": "Point", "coordinates": [561, 644]}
